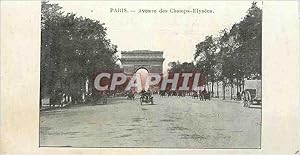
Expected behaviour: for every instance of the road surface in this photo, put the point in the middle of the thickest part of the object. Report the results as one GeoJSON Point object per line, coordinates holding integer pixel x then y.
{"type": "Point", "coordinates": [171, 122]}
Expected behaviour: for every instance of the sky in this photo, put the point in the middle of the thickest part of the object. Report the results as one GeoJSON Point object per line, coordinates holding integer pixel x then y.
{"type": "Point", "coordinates": [176, 34]}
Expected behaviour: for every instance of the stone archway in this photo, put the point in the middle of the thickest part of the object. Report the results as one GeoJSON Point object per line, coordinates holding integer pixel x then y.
{"type": "Point", "coordinates": [142, 67]}
{"type": "Point", "coordinates": [152, 61]}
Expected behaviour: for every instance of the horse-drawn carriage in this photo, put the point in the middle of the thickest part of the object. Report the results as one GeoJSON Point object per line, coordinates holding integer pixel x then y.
{"type": "Point", "coordinates": [146, 99]}
{"type": "Point", "coordinates": [204, 95]}
{"type": "Point", "coordinates": [252, 93]}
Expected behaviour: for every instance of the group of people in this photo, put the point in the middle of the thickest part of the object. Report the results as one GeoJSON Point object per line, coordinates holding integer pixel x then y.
{"type": "Point", "coordinates": [204, 95]}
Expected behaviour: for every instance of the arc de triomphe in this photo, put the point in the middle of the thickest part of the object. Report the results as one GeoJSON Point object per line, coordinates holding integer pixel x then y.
{"type": "Point", "coordinates": [152, 61]}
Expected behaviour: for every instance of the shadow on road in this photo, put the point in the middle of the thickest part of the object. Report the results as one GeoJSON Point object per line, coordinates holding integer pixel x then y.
{"type": "Point", "coordinates": [148, 104]}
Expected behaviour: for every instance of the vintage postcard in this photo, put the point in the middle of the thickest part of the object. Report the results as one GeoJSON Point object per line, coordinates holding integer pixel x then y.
{"type": "Point", "coordinates": [188, 75]}
{"type": "Point", "coordinates": [151, 75]}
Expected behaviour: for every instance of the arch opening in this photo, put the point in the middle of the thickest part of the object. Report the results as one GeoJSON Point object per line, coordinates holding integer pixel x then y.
{"type": "Point", "coordinates": [143, 73]}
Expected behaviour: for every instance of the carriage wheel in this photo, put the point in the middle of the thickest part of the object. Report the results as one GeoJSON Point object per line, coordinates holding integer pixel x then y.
{"type": "Point", "coordinates": [246, 103]}
{"type": "Point", "coordinates": [249, 104]}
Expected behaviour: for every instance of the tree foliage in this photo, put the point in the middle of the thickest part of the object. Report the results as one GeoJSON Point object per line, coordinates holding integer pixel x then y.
{"type": "Point", "coordinates": [234, 54]}
{"type": "Point", "coordinates": [72, 49]}
{"type": "Point", "coordinates": [185, 67]}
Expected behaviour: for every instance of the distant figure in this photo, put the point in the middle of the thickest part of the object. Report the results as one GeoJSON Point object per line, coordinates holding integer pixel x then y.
{"type": "Point", "coordinates": [203, 93]}
{"type": "Point", "coordinates": [169, 92]}
{"type": "Point", "coordinates": [238, 96]}
{"type": "Point", "coordinates": [180, 94]}
{"type": "Point", "coordinates": [105, 96]}
{"type": "Point", "coordinates": [149, 94]}
{"type": "Point", "coordinates": [143, 93]}
{"type": "Point", "coordinates": [195, 94]}
{"type": "Point", "coordinates": [162, 93]}
{"type": "Point", "coordinates": [130, 95]}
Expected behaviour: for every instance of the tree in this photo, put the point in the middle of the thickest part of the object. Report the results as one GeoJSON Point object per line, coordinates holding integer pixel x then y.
{"type": "Point", "coordinates": [235, 54]}
{"type": "Point", "coordinates": [250, 40]}
{"type": "Point", "coordinates": [72, 50]}
{"type": "Point", "coordinates": [205, 56]}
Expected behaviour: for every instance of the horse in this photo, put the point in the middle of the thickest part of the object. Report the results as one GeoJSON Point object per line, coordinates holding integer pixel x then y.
{"type": "Point", "coordinates": [162, 93]}
{"type": "Point", "coordinates": [130, 96]}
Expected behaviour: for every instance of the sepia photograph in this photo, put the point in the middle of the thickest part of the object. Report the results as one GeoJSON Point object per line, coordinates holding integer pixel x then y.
{"type": "Point", "coordinates": [151, 74]}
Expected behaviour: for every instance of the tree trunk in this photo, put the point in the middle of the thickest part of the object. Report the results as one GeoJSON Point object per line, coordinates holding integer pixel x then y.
{"type": "Point", "coordinates": [243, 84]}
{"type": "Point", "coordinates": [231, 88]}
{"type": "Point", "coordinates": [224, 86]}
{"type": "Point", "coordinates": [207, 87]}
{"type": "Point", "coordinates": [217, 89]}
{"type": "Point", "coordinates": [212, 88]}
{"type": "Point", "coordinates": [237, 86]}
{"type": "Point", "coordinates": [240, 85]}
